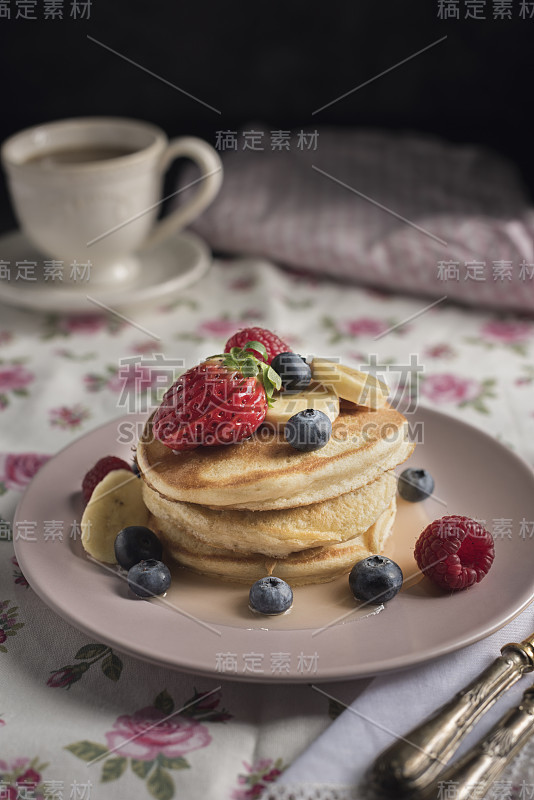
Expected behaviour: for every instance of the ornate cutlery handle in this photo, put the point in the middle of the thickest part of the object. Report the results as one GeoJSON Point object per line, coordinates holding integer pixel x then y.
{"type": "Point", "coordinates": [414, 761]}
{"type": "Point", "coordinates": [472, 775]}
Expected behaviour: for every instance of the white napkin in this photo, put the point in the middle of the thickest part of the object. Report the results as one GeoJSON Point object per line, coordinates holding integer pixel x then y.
{"type": "Point", "coordinates": [335, 764]}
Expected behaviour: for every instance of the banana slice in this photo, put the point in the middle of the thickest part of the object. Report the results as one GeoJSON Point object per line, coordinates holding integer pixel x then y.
{"type": "Point", "coordinates": [359, 387]}
{"type": "Point", "coordinates": [315, 396]}
{"type": "Point", "coordinates": [116, 502]}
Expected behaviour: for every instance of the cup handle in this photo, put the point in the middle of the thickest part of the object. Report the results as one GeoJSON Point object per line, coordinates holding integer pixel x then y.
{"type": "Point", "coordinates": [209, 184]}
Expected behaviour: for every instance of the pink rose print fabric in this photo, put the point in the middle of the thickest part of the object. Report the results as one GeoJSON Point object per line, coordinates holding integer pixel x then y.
{"type": "Point", "coordinates": [147, 733]}
{"type": "Point", "coordinates": [22, 777]}
{"type": "Point", "coordinates": [63, 375]}
{"type": "Point", "coordinates": [69, 417]}
{"type": "Point", "coordinates": [80, 325]}
{"type": "Point", "coordinates": [257, 776]}
{"type": "Point", "coordinates": [507, 332]}
{"type": "Point", "coordinates": [14, 382]}
{"type": "Point", "coordinates": [88, 655]}
{"type": "Point", "coordinates": [364, 326]}
{"type": "Point", "coordinates": [513, 335]}
{"type": "Point", "coordinates": [14, 377]}
{"type": "Point", "coordinates": [154, 741]}
{"type": "Point", "coordinates": [9, 623]}
{"type": "Point", "coordinates": [447, 388]}
{"type": "Point", "coordinates": [222, 328]}
{"type": "Point", "coordinates": [17, 469]}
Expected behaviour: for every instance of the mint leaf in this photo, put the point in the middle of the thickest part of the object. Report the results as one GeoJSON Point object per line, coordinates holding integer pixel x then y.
{"type": "Point", "coordinates": [274, 378]}
{"type": "Point", "coordinates": [270, 381]}
{"type": "Point", "coordinates": [244, 361]}
{"type": "Point", "coordinates": [249, 367]}
{"type": "Point", "coordinates": [257, 346]}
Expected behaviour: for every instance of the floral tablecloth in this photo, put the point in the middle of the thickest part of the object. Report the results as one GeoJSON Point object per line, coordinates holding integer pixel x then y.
{"type": "Point", "coordinates": [67, 702]}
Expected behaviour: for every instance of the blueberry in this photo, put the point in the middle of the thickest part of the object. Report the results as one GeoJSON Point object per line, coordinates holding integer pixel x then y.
{"type": "Point", "coordinates": [415, 485]}
{"type": "Point", "coordinates": [135, 468]}
{"type": "Point", "coordinates": [376, 579]}
{"type": "Point", "coordinates": [294, 372]}
{"type": "Point", "coordinates": [136, 543]}
{"type": "Point", "coordinates": [149, 578]}
{"type": "Point", "coordinates": [270, 595]}
{"type": "Point", "coordinates": [308, 430]}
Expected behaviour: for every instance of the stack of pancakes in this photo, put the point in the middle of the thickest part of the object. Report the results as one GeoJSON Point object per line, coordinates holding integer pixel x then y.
{"type": "Point", "coordinates": [259, 507]}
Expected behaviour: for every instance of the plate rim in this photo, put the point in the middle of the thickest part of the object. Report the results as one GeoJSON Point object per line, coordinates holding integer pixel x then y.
{"type": "Point", "coordinates": [331, 673]}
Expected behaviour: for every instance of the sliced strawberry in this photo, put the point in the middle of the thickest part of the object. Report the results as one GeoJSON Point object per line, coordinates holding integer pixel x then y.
{"type": "Point", "coordinates": [222, 401]}
{"type": "Point", "coordinates": [99, 472]}
{"type": "Point", "coordinates": [272, 343]}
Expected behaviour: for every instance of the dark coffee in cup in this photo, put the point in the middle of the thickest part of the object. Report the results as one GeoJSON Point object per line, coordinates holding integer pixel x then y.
{"type": "Point", "coordinates": [78, 155]}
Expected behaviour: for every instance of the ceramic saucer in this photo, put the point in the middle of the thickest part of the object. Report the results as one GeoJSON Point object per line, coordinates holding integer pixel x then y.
{"type": "Point", "coordinates": [164, 271]}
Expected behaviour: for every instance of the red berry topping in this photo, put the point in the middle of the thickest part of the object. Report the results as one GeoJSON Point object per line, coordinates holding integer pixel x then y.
{"type": "Point", "coordinates": [222, 401]}
{"type": "Point", "coordinates": [272, 343]}
{"type": "Point", "coordinates": [99, 471]}
{"type": "Point", "coordinates": [455, 552]}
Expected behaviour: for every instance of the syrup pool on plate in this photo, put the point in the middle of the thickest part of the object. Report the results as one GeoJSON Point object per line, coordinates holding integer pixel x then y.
{"type": "Point", "coordinates": [316, 605]}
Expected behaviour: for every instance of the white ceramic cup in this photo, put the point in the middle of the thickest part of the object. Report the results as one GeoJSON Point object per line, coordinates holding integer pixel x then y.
{"type": "Point", "coordinates": [102, 211]}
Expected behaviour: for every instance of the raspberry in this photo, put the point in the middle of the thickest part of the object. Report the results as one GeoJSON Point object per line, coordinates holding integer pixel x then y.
{"type": "Point", "coordinates": [454, 552]}
{"type": "Point", "coordinates": [99, 471]}
{"type": "Point", "coordinates": [272, 343]}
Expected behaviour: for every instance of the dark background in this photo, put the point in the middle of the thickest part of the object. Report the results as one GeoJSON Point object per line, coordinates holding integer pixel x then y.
{"type": "Point", "coordinates": [275, 63]}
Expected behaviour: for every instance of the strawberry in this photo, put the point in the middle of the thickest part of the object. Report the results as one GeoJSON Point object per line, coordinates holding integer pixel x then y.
{"type": "Point", "coordinates": [99, 472]}
{"type": "Point", "coordinates": [221, 401]}
{"type": "Point", "coordinates": [271, 342]}
{"type": "Point", "coordinates": [455, 552]}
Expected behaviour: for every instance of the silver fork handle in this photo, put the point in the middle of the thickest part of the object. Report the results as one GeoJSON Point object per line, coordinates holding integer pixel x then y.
{"type": "Point", "coordinates": [414, 761]}
{"type": "Point", "coordinates": [473, 774]}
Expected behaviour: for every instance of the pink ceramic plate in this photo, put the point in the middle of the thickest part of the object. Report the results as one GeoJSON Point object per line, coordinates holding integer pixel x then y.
{"type": "Point", "coordinates": [205, 626]}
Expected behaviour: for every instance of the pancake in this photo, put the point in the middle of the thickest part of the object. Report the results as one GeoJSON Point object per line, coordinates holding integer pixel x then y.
{"type": "Point", "coordinates": [264, 472]}
{"type": "Point", "coordinates": [282, 531]}
{"type": "Point", "coordinates": [314, 565]}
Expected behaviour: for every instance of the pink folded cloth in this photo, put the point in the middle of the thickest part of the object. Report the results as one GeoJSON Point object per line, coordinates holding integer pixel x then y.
{"type": "Point", "coordinates": [397, 211]}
